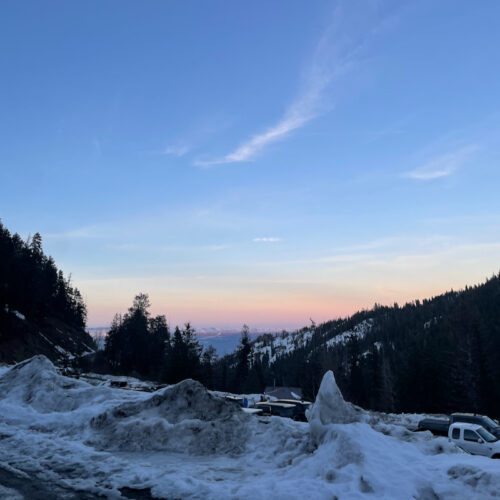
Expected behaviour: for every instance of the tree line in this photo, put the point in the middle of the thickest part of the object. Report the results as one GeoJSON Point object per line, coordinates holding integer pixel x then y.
{"type": "Point", "coordinates": [31, 284]}
{"type": "Point", "coordinates": [142, 345]}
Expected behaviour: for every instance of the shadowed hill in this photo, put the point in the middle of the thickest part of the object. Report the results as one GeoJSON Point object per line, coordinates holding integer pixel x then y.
{"type": "Point", "coordinates": [437, 355]}
{"type": "Point", "coordinates": [40, 311]}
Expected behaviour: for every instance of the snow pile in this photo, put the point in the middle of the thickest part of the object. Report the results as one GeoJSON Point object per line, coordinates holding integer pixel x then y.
{"type": "Point", "coordinates": [329, 408]}
{"type": "Point", "coordinates": [185, 442]}
{"type": "Point", "coordinates": [181, 418]}
{"type": "Point", "coordinates": [35, 382]}
{"type": "Point", "coordinates": [133, 383]}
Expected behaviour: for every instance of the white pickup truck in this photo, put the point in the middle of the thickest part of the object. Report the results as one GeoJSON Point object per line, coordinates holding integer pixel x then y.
{"type": "Point", "coordinates": [474, 439]}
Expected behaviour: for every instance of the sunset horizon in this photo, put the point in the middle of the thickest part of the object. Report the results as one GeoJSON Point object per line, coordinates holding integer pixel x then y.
{"type": "Point", "coordinates": [242, 174]}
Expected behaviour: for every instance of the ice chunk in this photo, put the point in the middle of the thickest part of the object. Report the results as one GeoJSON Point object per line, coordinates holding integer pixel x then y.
{"type": "Point", "coordinates": [329, 408]}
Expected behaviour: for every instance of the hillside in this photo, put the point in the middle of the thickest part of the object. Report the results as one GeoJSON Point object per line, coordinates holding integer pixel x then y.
{"type": "Point", "coordinates": [40, 311]}
{"type": "Point", "coordinates": [441, 354]}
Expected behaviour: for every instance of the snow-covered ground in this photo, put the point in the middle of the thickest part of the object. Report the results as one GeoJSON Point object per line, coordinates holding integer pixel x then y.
{"type": "Point", "coordinates": [77, 439]}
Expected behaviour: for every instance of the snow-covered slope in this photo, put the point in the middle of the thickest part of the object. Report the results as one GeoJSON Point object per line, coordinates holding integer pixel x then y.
{"type": "Point", "coordinates": [183, 442]}
{"type": "Point", "coordinates": [285, 343]}
{"type": "Point", "coordinates": [22, 337]}
{"type": "Point", "coordinates": [359, 332]}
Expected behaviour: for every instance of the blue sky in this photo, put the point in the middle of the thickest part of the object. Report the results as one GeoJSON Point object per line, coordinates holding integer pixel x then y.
{"type": "Point", "coordinates": [258, 162]}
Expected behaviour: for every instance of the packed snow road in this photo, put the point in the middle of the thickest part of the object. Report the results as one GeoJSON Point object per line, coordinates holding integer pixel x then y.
{"type": "Point", "coordinates": [16, 485]}
{"type": "Point", "coordinates": [82, 441]}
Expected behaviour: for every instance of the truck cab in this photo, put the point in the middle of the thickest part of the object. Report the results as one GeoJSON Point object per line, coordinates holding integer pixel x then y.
{"type": "Point", "coordinates": [471, 418]}
{"type": "Point", "coordinates": [474, 439]}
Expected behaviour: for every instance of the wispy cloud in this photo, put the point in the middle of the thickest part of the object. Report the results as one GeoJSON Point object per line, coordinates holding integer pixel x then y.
{"type": "Point", "coordinates": [216, 248]}
{"type": "Point", "coordinates": [442, 165]}
{"type": "Point", "coordinates": [335, 54]}
{"type": "Point", "coordinates": [83, 232]}
{"type": "Point", "coordinates": [176, 150]}
{"type": "Point", "coordinates": [266, 240]}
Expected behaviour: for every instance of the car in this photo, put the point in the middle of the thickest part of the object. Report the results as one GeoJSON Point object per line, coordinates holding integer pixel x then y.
{"type": "Point", "coordinates": [440, 426]}
{"type": "Point", "coordinates": [471, 418]}
{"type": "Point", "coordinates": [299, 412]}
{"type": "Point", "coordinates": [474, 439]}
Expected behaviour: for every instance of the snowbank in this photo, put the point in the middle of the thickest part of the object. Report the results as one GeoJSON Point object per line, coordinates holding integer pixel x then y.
{"type": "Point", "coordinates": [181, 418]}
{"type": "Point", "coordinates": [184, 442]}
{"type": "Point", "coordinates": [35, 382]}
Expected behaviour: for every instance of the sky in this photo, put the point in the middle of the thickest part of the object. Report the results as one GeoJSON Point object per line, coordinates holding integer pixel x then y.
{"type": "Point", "coordinates": [256, 162]}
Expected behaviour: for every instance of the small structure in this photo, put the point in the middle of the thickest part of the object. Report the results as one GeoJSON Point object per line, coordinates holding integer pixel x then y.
{"type": "Point", "coordinates": [300, 408]}
{"type": "Point", "coordinates": [278, 409]}
{"type": "Point", "coordinates": [284, 392]}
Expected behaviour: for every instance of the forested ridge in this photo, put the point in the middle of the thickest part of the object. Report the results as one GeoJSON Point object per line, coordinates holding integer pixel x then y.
{"type": "Point", "coordinates": [40, 310]}
{"type": "Point", "coordinates": [435, 355]}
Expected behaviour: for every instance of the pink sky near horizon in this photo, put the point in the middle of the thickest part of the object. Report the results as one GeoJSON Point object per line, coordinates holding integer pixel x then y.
{"type": "Point", "coordinates": [289, 311]}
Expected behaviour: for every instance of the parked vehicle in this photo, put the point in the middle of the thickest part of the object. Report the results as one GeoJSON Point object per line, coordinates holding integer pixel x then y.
{"type": "Point", "coordinates": [437, 426]}
{"type": "Point", "coordinates": [275, 408]}
{"type": "Point", "coordinates": [440, 426]}
{"type": "Point", "coordinates": [300, 407]}
{"type": "Point", "coordinates": [474, 439]}
{"type": "Point", "coordinates": [490, 425]}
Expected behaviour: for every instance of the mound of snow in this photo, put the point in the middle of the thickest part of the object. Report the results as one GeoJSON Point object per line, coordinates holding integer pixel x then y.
{"type": "Point", "coordinates": [329, 408]}
{"type": "Point", "coordinates": [181, 418]}
{"type": "Point", "coordinates": [36, 383]}
{"type": "Point", "coordinates": [50, 427]}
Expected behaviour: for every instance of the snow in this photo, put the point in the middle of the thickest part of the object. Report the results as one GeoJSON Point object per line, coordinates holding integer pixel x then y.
{"type": "Point", "coordinates": [107, 380]}
{"type": "Point", "coordinates": [282, 344]}
{"type": "Point", "coordinates": [186, 442]}
{"type": "Point", "coordinates": [64, 352]}
{"type": "Point", "coordinates": [184, 417]}
{"type": "Point", "coordinates": [359, 332]}
{"type": "Point", "coordinates": [329, 408]}
{"type": "Point", "coordinates": [17, 313]}
{"type": "Point", "coordinates": [10, 494]}
{"type": "Point", "coordinates": [286, 343]}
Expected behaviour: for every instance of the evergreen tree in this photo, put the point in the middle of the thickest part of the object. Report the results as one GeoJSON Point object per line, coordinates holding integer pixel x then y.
{"type": "Point", "coordinates": [243, 355]}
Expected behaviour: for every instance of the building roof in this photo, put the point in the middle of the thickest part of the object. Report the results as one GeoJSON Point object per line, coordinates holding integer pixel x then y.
{"type": "Point", "coordinates": [284, 392]}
